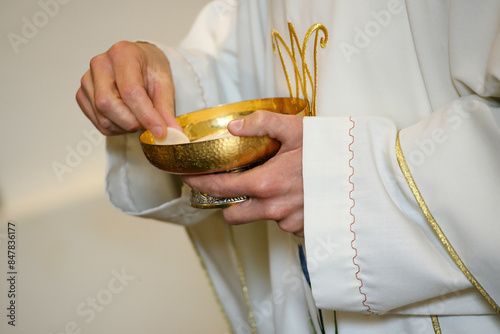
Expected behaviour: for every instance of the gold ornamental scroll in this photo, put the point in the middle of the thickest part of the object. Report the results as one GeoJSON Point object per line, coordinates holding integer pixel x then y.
{"type": "Point", "coordinates": [297, 52]}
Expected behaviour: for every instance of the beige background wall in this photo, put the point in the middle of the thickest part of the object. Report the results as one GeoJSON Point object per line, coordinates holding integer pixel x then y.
{"type": "Point", "coordinates": [83, 267]}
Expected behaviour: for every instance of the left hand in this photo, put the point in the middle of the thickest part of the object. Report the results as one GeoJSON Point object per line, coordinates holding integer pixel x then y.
{"type": "Point", "coordinates": [275, 189]}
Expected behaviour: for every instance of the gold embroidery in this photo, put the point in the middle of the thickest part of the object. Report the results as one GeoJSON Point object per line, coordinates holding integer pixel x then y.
{"type": "Point", "coordinates": [302, 75]}
{"type": "Point", "coordinates": [435, 324]}
{"type": "Point", "coordinates": [423, 206]}
{"type": "Point", "coordinates": [242, 279]}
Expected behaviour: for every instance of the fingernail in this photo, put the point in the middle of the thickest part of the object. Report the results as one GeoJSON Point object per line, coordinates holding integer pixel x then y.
{"type": "Point", "coordinates": [157, 132]}
{"type": "Point", "coordinates": [235, 125]}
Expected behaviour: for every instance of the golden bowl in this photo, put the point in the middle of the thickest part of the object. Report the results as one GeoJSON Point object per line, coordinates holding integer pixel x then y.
{"type": "Point", "coordinates": [222, 154]}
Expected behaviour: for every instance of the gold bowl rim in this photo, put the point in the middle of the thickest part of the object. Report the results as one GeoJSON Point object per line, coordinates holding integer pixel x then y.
{"type": "Point", "coordinates": [232, 152]}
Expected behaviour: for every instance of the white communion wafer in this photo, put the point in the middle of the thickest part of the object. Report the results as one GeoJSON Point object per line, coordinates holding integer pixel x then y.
{"type": "Point", "coordinates": [216, 135]}
{"type": "Point", "coordinates": [173, 137]}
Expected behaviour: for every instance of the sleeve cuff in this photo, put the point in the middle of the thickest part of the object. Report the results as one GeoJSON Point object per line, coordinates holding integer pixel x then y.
{"type": "Point", "coordinates": [327, 205]}
{"type": "Point", "coordinates": [137, 188]}
{"type": "Point", "coordinates": [369, 247]}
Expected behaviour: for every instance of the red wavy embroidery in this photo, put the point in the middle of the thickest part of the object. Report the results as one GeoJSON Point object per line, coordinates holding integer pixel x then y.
{"type": "Point", "coordinates": [354, 221]}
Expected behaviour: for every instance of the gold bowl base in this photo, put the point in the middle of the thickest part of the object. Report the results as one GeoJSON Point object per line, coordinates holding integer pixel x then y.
{"type": "Point", "coordinates": [205, 201]}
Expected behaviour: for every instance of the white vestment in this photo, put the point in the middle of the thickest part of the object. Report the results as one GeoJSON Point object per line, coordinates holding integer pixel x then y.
{"type": "Point", "coordinates": [376, 264]}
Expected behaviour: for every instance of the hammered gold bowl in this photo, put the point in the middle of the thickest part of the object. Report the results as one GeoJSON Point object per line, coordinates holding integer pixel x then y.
{"type": "Point", "coordinates": [222, 154]}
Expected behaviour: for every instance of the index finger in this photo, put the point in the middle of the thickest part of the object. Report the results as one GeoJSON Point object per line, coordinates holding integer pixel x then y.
{"type": "Point", "coordinates": [130, 81]}
{"type": "Point", "coordinates": [162, 92]}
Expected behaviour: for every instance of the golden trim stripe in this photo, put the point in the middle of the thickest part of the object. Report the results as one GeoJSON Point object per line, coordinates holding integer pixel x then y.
{"type": "Point", "coordinates": [425, 209]}
{"type": "Point", "coordinates": [435, 324]}
{"type": "Point", "coordinates": [242, 280]}
{"type": "Point", "coordinates": [212, 287]}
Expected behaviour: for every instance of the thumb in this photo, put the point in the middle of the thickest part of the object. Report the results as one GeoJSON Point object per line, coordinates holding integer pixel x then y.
{"type": "Point", "coordinates": [285, 128]}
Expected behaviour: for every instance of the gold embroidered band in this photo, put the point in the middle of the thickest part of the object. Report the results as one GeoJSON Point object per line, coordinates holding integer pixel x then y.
{"type": "Point", "coordinates": [243, 280]}
{"type": "Point", "coordinates": [411, 183]}
{"type": "Point", "coordinates": [435, 324]}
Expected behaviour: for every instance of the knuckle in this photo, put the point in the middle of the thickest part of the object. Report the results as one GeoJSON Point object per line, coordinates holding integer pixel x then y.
{"type": "Point", "coordinates": [286, 226]}
{"type": "Point", "coordinates": [206, 185]}
{"type": "Point", "coordinates": [275, 211]}
{"type": "Point", "coordinates": [293, 222]}
{"type": "Point", "coordinates": [234, 215]}
{"type": "Point", "coordinates": [105, 132]}
{"type": "Point", "coordinates": [266, 186]}
{"type": "Point", "coordinates": [105, 123]}
{"type": "Point", "coordinates": [103, 102]}
{"type": "Point", "coordinates": [131, 126]}
{"type": "Point", "coordinates": [129, 92]}
{"type": "Point", "coordinates": [262, 188]}
{"type": "Point", "coordinates": [120, 48]}
{"type": "Point", "coordinates": [80, 96]}
{"type": "Point", "coordinates": [213, 188]}
{"type": "Point", "coordinates": [259, 117]}
{"type": "Point", "coordinates": [299, 234]}
{"type": "Point", "coordinates": [85, 80]}
{"type": "Point", "coordinates": [95, 61]}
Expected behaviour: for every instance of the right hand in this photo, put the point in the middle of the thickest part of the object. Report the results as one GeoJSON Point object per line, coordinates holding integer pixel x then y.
{"type": "Point", "coordinates": [127, 88]}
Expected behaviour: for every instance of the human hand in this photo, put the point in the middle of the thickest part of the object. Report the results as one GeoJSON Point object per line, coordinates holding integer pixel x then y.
{"type": "Point", "coordinates": [275, 189]}
{"type": "Point", "coordinates": [128, 88]}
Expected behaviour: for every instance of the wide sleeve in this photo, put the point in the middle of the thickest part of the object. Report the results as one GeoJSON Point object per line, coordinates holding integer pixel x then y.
{"type": "Point", "coordinates": [408, 221]}
{"type": "Point", "coordinates": [204, 69]}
